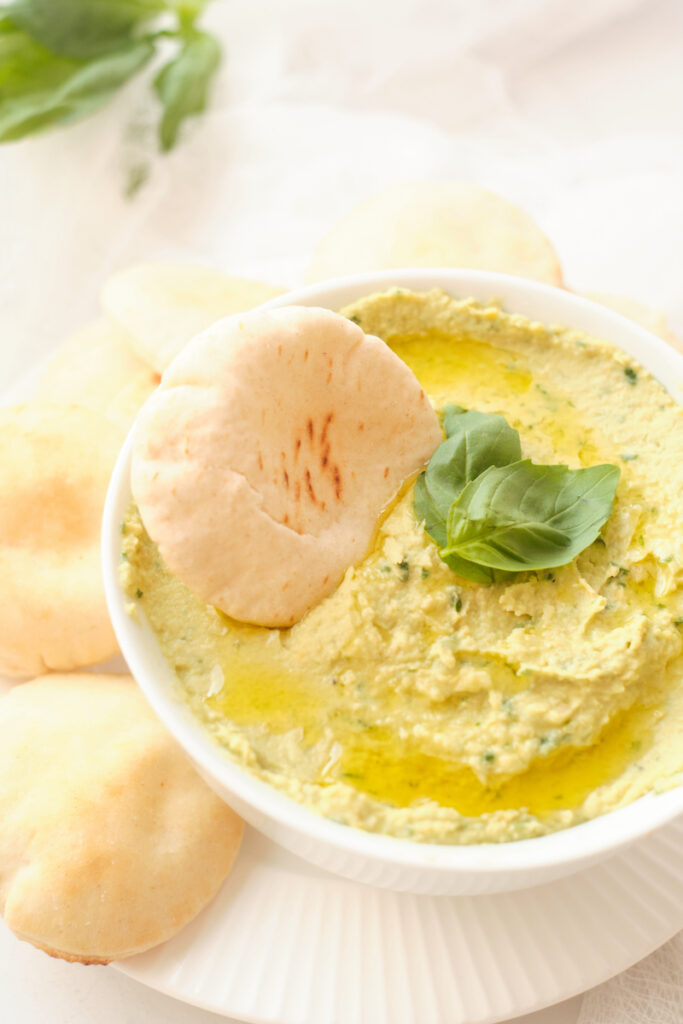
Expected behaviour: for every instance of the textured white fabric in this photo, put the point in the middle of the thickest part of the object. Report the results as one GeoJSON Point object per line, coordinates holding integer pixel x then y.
{"type": "Point", "coordinates": [649, 993]}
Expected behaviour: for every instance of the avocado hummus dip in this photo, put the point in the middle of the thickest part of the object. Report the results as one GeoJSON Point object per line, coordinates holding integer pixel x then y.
{"type": "Point", "coordinates": [420, 704]}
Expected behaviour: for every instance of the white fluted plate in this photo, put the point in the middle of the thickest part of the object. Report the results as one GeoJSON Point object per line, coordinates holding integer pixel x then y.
{"type": "Point", "coordinates": [289, 944]}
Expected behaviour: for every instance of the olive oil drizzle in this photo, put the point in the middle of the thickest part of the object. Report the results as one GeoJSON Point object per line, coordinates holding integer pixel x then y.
{"type": "Point", "coordinates": [398, 772]}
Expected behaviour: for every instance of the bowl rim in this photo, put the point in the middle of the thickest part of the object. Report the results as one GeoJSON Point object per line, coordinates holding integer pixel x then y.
{"type": "Point", "coordinates": [597, 837]}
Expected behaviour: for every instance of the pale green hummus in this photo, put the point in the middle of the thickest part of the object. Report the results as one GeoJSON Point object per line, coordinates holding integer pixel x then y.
{"type": "Point", "coordinates": [414, 703]}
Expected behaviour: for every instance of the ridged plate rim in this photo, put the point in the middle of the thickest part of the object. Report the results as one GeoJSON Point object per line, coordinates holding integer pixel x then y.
{"type": "Point", "coordinates": [287, 943]}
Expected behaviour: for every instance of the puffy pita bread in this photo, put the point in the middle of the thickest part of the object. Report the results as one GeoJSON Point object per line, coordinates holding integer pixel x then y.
{"type": "Point", "coordinates": [436, 224]}
{"type": "Point", "coordinates": [647, 316]}
{"type": "Point", "coordinates": [110, 841]}
{"type": "Point", "coordinates": [55, 464]}
{"type": "Point", "coordinates": [163, 305]}
{"type": "Point", "coordinates": [263, 462]}
{"type": "Point", "coordinates": [97, 368]}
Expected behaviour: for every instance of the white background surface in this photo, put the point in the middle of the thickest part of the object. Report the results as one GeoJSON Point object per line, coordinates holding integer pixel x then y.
{"type": "Point", "coordinates": [573, 109]}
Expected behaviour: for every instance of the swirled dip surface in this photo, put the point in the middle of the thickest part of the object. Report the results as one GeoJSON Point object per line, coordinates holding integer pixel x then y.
{"type": "Point", "coordinates": [415, 703]}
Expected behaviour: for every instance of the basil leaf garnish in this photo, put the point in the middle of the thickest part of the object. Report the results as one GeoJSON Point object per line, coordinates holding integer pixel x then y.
{"type": "Point", "coordinates": [451, 415]}
{"type": "Point", "coordinates": [493, 514]}
{"type": "Point", "coordinates": [530, 517]}
{"type": "Point", "coordinates": [435, 523]}
{"type": "Point", "coordinates": [472, 571]}
{"type": "Point", "coordinates": [476, 440]}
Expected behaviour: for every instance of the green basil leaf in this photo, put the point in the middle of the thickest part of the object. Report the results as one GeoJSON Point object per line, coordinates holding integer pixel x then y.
{"type": "Point", "coordinates": [450, 417]}
{"type": "Point", "coordinates": [61, 60]}
{"type": "Point", "coordinates": [83, 29]}
{"type": "Point", "coordinates": [39, 90]}
{"type": "Point", "coordinates": [435, 524]}
{"type": "Point", "coordinates": [436, 528]}
{"type": "Point", "coordinates": [183, 84]}
{"type": "Point", "coordinates": [25, 66]}
{"type": "Point", "coordinates": [524, 516]}
{"type": "Point", "coordinates": [472, 571]}
{"type": "Point", "coordinates": [477, 440]}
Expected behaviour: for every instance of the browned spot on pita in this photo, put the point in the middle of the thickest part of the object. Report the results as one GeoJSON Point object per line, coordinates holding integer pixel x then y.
{"type": "Point", "coordinates": [297, 491]}
{"type": "Point", "coordinates": [260, 461]}
{"type": "Point", "coordinates": [336, 476]}
{"type": "Point", "coordinates": [309, 430]}
{"type": "Point", "coordinates": [309, 486]}
{"type": "Point", "coordinates": [361, 426]}
{"type": "Point", "coordinates": [285, 477]}
{"type": "Point", "coordinates": [297, 446]}
{"type": "Point", "coordinates": [386, 472]}
{"type": "Point", "coordinates": [305, 355]}
{"type": "Point", "coordinates": [326, 427]}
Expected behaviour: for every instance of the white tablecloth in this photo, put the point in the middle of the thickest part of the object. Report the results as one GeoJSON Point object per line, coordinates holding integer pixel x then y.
{"type": "Point", "coordinates": [574, 110]}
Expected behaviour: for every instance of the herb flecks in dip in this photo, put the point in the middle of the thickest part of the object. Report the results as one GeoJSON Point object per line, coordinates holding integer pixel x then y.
{"type": "Point", "coordinates": [416, 703]}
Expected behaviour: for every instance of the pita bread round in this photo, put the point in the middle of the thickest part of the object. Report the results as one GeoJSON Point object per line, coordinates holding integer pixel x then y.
{"type": "Point", "coordinates": [97, 368]}
{"type": "Point", "coordinates": [110, 840]}
{"type": "Point", "coordinates": [55, 465]}
{"type": "Point", "coordinates": [651, 319]}
{"type": "Point", "coordinates": [436, 224]}
{"type": "Point", "coordinates": [262, 464]}
{"type": "Point", "coordinates": [163, 305]}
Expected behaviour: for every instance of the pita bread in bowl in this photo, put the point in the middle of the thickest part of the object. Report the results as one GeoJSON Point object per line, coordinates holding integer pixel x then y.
{"type": "Point", "coordinates": [261, 465]}
{"type": "Point", "coordinates": [110, 841]}
{"type": "Point", "coordinates": [55, 465]}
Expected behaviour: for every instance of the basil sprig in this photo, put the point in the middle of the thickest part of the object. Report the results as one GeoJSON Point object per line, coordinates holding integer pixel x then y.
{"type": "Point", "coordinates": [61, 60]}
{"type": "Point", "coordinates": [182, 86]}
{"type": "Point", "coordinates": [494, 514]}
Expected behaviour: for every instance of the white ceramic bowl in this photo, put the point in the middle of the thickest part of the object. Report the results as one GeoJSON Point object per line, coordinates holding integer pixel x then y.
{"type": "Point", "coordinates": [365, 857]}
